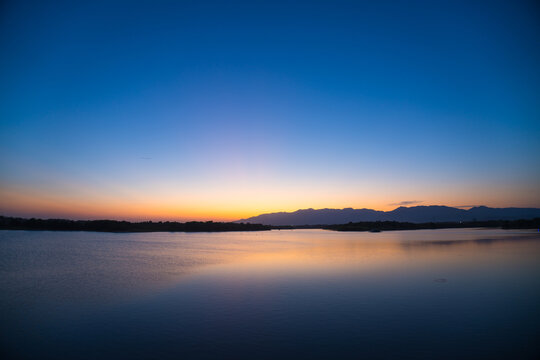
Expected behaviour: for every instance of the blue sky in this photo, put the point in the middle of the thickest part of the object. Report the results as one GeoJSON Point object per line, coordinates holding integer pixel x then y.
{"type": "Point", "coordinates": [213, 110]}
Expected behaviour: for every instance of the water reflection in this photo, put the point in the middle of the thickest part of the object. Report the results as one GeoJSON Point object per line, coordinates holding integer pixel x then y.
{"type": "Point", "coordinates": [301, 293]}
{"type": "Point", "coordinates": [88, 267]}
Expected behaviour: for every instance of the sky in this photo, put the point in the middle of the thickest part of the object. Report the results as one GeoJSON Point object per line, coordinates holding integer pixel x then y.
{"type": "Point", "coordinates": [199, 110]}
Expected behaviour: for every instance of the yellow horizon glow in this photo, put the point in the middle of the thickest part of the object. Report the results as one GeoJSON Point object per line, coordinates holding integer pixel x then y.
{"type": "Point", "coordinates": [75, 202]}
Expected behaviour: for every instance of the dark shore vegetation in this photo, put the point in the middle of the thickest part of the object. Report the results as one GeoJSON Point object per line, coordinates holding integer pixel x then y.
{"type": "Point", "coordinates": [394, 225]}
{"type": "Point", "coordinates": [14, 223]}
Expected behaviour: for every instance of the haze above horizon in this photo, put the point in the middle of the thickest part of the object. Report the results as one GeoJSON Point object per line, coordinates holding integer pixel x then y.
{"type": "Point", "coordinates": [200, 110]}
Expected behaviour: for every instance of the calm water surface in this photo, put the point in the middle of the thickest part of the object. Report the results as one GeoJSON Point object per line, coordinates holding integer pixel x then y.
{"type": "Point", "coordinates": [459, 293]}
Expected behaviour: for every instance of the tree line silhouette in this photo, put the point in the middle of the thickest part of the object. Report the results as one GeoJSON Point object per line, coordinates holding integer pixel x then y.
{"type": "Point", "coordinates": [376, 226]}
{"type": "Point", "coordinates": [15, 223]}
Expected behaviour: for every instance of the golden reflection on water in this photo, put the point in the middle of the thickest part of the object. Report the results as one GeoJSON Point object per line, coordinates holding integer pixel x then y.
{"type": "Point", "coordinates": [324, 253]}
{"type": "Point", "coordinates": [88, 267]}
{"type": "Point", "coordinates": [314, 290]}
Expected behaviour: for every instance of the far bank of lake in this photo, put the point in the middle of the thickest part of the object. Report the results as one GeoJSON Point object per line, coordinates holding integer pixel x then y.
{"type": "Point", "coordinates": [13, 223]}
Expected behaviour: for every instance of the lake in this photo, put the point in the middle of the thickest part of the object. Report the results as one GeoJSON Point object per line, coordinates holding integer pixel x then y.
{"type": "Point", "coordinates": [313, 294]}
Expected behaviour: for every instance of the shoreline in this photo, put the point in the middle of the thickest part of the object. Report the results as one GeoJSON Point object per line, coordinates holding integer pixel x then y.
{"type": "Point", "coordinates": [114, 226]}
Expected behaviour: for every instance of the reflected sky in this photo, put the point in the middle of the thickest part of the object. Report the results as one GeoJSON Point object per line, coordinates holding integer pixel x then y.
{"type": "Point", "coordinates": [294, 293]}
{"type": "Point", "coordinates": [85, 266]}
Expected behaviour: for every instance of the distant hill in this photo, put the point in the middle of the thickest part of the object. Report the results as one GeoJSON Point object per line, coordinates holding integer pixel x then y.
{"type": "Point", "coordinates": [414, 214]}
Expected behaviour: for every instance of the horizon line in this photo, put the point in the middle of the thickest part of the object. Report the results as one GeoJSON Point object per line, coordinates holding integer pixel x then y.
{"type": "Point", "coordinates": [202, 219]}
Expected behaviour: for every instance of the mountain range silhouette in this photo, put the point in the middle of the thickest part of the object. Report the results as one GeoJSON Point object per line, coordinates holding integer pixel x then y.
{"type": "Point", "coordinates": [414, 214]}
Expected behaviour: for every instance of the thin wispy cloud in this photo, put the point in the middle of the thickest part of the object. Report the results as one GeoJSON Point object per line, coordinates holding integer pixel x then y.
{"type": "Point", "coordinates": [407, 202]}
